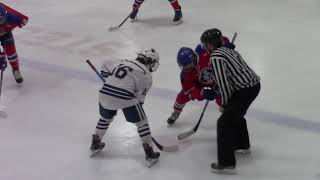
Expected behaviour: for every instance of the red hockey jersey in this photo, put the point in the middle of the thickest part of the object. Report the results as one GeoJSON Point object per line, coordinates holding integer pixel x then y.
{"type": "Point", "coordinates": [14, 19]}
{"type": "Point", "coordinates": [201, 76]}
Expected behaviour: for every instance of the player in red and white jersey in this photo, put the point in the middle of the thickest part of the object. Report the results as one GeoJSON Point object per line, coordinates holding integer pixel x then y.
{"type": "Point", "coordinates": [177, 19]}
{"type": "Point", "coordinates": [9, 20]}
{"type": "Point", "coordinates": [196, 78]}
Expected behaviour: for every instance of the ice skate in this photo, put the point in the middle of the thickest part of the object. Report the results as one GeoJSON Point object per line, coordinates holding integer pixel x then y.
{"type": "Point", "coordinates": [172, 119]}
{"type": "Point", "coordinates": [151, 156]}
{"type": "Point", "coordinates": [96, 145]}
{"type": "Point", "coordinates": [177, 16]}
{"type": "Point", "coordinates": [220, 169]}
{"type": "Point", "coordinates": [17, 76]}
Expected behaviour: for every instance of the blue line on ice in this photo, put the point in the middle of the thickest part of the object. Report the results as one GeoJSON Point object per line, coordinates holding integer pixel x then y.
{"type": "Point", "coordinates": [261, 115]}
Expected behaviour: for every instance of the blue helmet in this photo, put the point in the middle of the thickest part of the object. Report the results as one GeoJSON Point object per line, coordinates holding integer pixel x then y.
{"type": "Point", "coordinates": [3, 14]}
{"type": "Point", "coordinates": [186, 58]}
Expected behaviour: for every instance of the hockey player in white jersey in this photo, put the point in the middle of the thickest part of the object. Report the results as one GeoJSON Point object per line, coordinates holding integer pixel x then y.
{"type": "Point", "coordinates": [127, 83]}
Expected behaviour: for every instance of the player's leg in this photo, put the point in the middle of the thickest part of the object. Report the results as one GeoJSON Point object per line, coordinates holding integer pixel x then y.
{"type": "Point", "coordinates": [242, 142]}
{"type": "Point", "coordinates": [242, 137]}
{"type": "Point", "coordinates": [177, 9]}
{"type": "Point", "coordinates": [136, 115]}
{"type": "Point", "coordinates": [10, 50]}
{"type": "Point", "coordinates": [232, 124]}
{"type": "Point", "coordinates": [135, 9]}
{"type": "Point", "coordinates": [225, 141]}
{"type": "Point", "coordinates": [179, 104]}
{"type": "Point", "coordinates": [106, 117]}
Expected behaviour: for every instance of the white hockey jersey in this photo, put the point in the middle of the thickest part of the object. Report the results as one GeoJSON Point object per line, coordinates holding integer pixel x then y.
{"type": "Point", "coordinates": [127, 84]}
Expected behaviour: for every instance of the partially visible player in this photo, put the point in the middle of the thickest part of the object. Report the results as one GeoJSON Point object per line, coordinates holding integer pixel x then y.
{"type": "Point", "coordinates": [127, 83]}
{"type": "Point", "coordinates": [9, 20]}
{"type": "Point", "coordinates": [196, 78]}
{"type": "Point", "coordinates": [177, 19]}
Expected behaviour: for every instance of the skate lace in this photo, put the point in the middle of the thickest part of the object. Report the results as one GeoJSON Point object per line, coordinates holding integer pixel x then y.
{"type": "Point", "coordinates": [17, 74]}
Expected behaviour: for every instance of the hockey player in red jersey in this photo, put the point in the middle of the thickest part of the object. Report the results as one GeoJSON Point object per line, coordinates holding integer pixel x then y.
{"type": "Point", "coordinates": [196, 78]}
{"type": "Point", "coordinates": [9, 20]}
{"type": "Point", "coordinates": [174, 3]}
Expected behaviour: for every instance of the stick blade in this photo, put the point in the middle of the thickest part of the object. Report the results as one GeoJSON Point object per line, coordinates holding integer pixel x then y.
{"type": "Point", "coordinates": [3, 113]}
{"type": "Point", "coordinates": [113, 28]}
{"type": "Point", "coordinates": [168, 148]}
{"type": "Point", "coordinates": [184, 135]}
{"type": "Point", "coordinates": [172, 148]}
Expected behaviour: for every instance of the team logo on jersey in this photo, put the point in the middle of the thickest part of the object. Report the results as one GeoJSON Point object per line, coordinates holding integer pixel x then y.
{"type": "Point", "coordinates": [206, 74]}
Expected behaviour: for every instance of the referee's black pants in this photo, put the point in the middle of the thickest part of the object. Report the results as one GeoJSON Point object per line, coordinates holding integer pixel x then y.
{"type": "Point", "coordinates": [232, 132]}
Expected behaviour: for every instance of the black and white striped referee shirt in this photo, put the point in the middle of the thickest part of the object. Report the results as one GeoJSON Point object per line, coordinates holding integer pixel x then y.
{"type": "Point", "coordinates": [231, 72]}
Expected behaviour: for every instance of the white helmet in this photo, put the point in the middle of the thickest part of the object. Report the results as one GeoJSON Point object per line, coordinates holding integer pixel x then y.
{"type": "Point", "coordinates": [150, 58]}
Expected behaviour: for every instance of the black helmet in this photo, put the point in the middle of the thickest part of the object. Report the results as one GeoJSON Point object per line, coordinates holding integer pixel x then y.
{"type": "Point", "coordinates": [212, 36]}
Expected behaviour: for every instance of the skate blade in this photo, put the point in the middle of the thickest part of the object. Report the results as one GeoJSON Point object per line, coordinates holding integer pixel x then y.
{"type": "Point", "coordinates": [151, 162]}
{"type": "Point", "coordinates": [113, 28]}
{"type": "Point", "coordinates": [224, 171]}
{"type": "Point", "coordinates": [170, 125]}
{"type": "Point", "coordinates": [95, 152]}
{"type": "Point", "coordinates": [178, 22]}
{"type": "Point", "coordinates": [134, 19]}
{"type": "Point", "coordinates": [243, 151]}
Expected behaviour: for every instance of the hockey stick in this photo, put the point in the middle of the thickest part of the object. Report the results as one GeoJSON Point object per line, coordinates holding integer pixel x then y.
{"type": "Point", "coordinates": [1, 81]}
{"type": "Point", "coordinates": [95, 70]}
{"type": "Point", "coordinates": [234, 37]}
{"type": "Point", "coordinates": [117, 27]}
{"type": "Point", "coordinates": [165, 148]}
{"type": "Point", "coordinates": [160, 147]}
{"type": "Point", "coordinates": [3, 113]}
{"type": "Point", "coordinates": [192, 131]}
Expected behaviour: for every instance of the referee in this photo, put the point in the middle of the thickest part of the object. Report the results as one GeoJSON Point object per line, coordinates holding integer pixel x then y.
{"type": "Point", "coordinates": [239, 86]}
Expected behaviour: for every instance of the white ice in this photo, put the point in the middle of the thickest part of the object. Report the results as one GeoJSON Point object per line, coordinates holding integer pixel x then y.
{"type": "Point", "coordinates": [51, 117]}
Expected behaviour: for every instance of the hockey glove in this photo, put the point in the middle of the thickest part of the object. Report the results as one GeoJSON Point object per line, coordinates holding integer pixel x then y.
{"type": "Point", "coordinates": [195, 94]}
{"type": "Point", "coordinates": [23, 23]}
{"type": "Point", "coordinates": [3, 61]}
{"type": "Point", "coordinates": [104, 74]}
{"type": "Point", "coordinates": [229, 45]}
{"type": "Point", "coordinates": [208, 94]}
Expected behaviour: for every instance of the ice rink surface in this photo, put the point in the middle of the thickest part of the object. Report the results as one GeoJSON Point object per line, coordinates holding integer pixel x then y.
{"type": "Point", "coordinates": [51, 117]}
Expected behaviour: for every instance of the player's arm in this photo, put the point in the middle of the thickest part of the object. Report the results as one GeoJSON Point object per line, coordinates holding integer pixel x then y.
{"type": "Point", "coordinates": [190, 87]}
{"type": "Point", "coordinates": [143, 83]}
{"type": "Point", "coordinates": [186, 82]}
{"type": "Point", "coordinates": [106, 68]}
